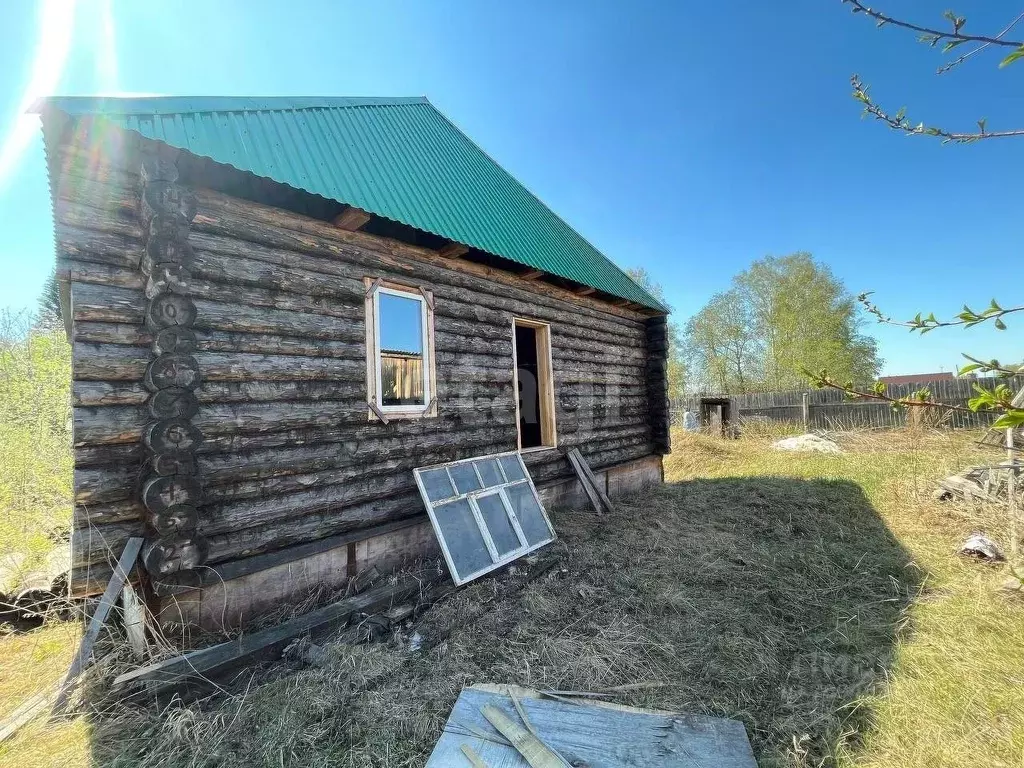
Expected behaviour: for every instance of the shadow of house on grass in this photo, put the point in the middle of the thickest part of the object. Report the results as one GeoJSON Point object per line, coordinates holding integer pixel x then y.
{"type": "Point", "coordinates": [781, 600]}
{"type": "Point", "coordinates": [775, 601]}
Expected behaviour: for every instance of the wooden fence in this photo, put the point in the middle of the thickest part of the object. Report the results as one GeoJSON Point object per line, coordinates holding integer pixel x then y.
{"type": "Point", "coordinates": [831, 409]}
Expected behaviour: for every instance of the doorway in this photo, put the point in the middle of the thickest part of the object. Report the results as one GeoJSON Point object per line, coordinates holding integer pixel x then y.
{"type": "Point", "coordinates": [535, 396]}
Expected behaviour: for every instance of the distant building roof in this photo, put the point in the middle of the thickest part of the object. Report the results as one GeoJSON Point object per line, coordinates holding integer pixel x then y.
{"type": "Point", "coordinates": [917, 378]}
{"type": "Point", "coordinates": [398, 158]}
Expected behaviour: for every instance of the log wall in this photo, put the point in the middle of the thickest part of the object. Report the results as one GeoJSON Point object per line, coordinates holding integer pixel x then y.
{"type": "Point", "coordinates": [287, 454]}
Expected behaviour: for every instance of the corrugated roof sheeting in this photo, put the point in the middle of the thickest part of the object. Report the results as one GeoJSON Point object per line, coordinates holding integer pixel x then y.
{"type": "Point", "coordinates": [396, 158]}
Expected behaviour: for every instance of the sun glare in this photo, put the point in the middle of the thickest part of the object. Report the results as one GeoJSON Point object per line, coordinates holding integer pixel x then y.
{"type": "Point", "coordinates": [57, 20]}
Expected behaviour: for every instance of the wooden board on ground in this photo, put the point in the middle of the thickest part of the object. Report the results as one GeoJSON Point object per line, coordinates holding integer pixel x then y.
{"type": "Point", "coordinates": [599, 735]}
{"type": "Point", "coordinates": [210, 663]}
{"type": "Point", "coordinates": [125, 564]}
{"type": "Point", "coordinates": [589, 482]}
{"type": "Point", "coordinates": [25, 713]}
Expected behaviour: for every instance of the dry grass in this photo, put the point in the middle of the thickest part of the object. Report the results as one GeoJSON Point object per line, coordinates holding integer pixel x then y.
{"type": "Point", "coordinates": [814, 597]}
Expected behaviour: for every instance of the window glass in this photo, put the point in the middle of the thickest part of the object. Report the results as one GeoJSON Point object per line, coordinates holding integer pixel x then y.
{"type": "Point", "coordinates": [531, 516]}
{"type": "Point", "coordinates": [437, 485]}
{"type": "Point", "coordinates": [513, 469]}
{"type": "Point", "coordinates": [464, 477]}
{"type": "Point", "coordinates": [400, 335]}
{"type": "Point", "coordinates": [488, 469]}
{"type": "Point", "coordinates": [465, 542]}
{"type": "Point", "coordinates": [492, 510]}
{"type": "Point", "coordinates": [479, 526]}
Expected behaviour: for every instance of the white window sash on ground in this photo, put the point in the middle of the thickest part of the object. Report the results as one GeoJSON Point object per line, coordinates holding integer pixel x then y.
{"type": "Point", "coordinates": [519, 481]}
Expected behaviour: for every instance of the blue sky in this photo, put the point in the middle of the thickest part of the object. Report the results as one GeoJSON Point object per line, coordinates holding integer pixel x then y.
{"type": "Point", "coordinates": [686, 138]}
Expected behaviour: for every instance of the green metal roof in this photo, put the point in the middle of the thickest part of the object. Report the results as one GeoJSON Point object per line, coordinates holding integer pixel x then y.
{"type": "Point", "coordinates": [399, 158]}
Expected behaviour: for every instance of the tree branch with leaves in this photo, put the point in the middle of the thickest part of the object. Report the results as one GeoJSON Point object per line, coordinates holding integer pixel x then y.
{"type": "Point", "coordinates": [953, 37]}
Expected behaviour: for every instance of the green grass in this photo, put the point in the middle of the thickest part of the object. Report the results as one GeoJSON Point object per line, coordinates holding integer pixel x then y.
{"type": "Point", "coordinates": [815, 598]}
{"type": "Point", "coordinates": [952, 695]}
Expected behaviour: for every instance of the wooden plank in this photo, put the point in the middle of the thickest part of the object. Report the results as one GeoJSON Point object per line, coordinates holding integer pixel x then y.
{"type": "Point", "coordinates": [473, 757]}
{"type": "Point", "coordinates": [590, 490]}
{"type": "Point", "coordinates": [453, 251]}
{"type": "Point", "coordinates": [535, 751]}
{"type": "Point", "coordinates": [351, 219]}
{"type": "Point", "coordinates": [581, 465]}
{"type": "Point", "coordinates": [211, 662]}
{"type": "Point", "coordinates": [599, 734]}
{"type": "Point", "coordinates": [585, 291]}
{"type": "Point", "coordinates": [134, 620]}
{"type": "Point", "coordinates": [117, 580]}
{"type": "Point", "coordinates": [235, 569]}
{"type": "Point", "coordinates": [26, 713]}
{"type": "Point", "coordinates": [533, 274]}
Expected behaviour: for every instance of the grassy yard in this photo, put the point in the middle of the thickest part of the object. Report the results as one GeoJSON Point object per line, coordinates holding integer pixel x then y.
{"type": "Point", "coordinates": [814, 597]}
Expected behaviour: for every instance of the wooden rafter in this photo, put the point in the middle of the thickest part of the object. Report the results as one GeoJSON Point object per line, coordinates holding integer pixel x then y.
{"type": "Point", "coordinates": [453, 251]}
{"type": "Point", "coordinates": [585, 291]}
{"type": "Point", "coordinates": [351, 219]}
{"type": "Point", "coordinates": [533, 274]}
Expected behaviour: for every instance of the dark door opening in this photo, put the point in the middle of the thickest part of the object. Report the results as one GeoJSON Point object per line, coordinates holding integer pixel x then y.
{"type": "Point", "coordinates": [528, 378]}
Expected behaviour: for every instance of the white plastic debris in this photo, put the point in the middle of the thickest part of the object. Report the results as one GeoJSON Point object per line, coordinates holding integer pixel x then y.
{"type": "Point", "coordinates": [415, 642]}
{"type": "Point", "coordinates": [807, 442]}
{"type": "Point", "coordinates": [981, 547]}
{"type": "Point", "coordinates": [690, 422]}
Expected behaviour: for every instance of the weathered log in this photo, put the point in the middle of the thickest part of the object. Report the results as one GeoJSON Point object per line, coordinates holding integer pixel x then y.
{"type": "Point", "coordinates": [171, 436]}
{"type": "Point", "coordinates": [108, 362]}
{"type": "Point", "coordinates": [169, 310]}
{"type": "Point", "coordinates": [237, 216]}
{"type": "Point", "coordinates": [289, 222]}
{"type": "Point", "coordinates": [174, 553]}
{"type": "Point", "coordinates": [175, 341]}
{"type": "Point", "coordinates": [173, 402]}
{"type": "Point", "coordinates": [91, 393]}
{"type": "Point", "coordinates": [96, 514]}
{"type": "Point", "coordinates": [445, 282]}
{"type": "Point", "coordinates": [171, 371]}
{"type": "Point", "coordinates": [173, 464]}
{"type": "Point", "coordinates": [179, 519]}
{"type": "Point", "coordinates": [474, 345]}
{"type": "Point", "coordinates": [222, 316]}
{"type": "Point", "coordinates": [160, 493]}
{"type": "Point", "coordinates": [100, 274]}
{"type": "Point", "coordinates": [107, 304]}
{"type": "Point", "coordinates": [73, 214]}
{"type": "Point", "coordinates": [233, 270]}
{"type": "Point", "coordinates": [240, 543]}
{"type": "Point", "coordinates": [293, 459]}
{"type": "Point", "coordinates": [164, 197]}
{"type": "Point", "coordinates": [161, 252]}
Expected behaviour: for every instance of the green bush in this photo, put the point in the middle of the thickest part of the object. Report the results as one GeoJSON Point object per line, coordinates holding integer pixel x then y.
{"type": "Point", "coordinates": [35, 436]}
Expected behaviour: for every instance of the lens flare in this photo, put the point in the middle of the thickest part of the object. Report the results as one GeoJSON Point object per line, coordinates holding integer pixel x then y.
{"type": "Point", "coordinates": [57, 20]}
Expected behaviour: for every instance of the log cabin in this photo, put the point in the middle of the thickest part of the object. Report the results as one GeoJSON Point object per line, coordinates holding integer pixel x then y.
{"type": "Point", "coordinates": [279, 307]}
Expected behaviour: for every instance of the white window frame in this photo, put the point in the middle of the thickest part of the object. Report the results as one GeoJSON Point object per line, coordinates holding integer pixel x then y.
{"type": "Point", "coordinates": [374, 288]}
{"type": "Point", "coordinates": [497, 560]}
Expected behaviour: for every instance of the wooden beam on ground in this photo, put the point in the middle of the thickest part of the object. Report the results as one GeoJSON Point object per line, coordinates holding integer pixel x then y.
{"type": "Point", "coordinates": [99, 618]}
{"type": "Point", "coordinates": [453, 251]}
{"type": "Point", "coordinates": [533, 274]}
{"type": "Point", "coordinates": [134, 620]}
{"type": "Point", "coordinates": [585, 291]}
{"type": "Point", "coordinates": [533, 750]}
{"type": "Point", "coordinates": [26, 713]}
{"type": "Point", "coordinates": [581, 466]}
{"type": "Point", "coordinates": [351, 219]}
{"type": "Point", "coordinates": [207, 663]}
{"type": "Point", "coordinates": [473, 757]}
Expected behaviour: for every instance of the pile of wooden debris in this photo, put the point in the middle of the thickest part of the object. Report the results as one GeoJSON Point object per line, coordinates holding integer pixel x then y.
{"type": "Point", "coordinates": [985, 483]}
